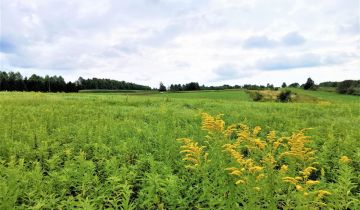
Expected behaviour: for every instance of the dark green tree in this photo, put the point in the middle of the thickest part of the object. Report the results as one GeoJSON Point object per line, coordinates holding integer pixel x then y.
{"type": "Point", "coordinates": [162, 87]}
{"type": "Point", "coordinates": [309, 85]}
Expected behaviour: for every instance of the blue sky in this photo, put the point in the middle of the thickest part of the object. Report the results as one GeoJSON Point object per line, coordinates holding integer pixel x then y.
{"type": "Point", "coordinates": [213, 42]}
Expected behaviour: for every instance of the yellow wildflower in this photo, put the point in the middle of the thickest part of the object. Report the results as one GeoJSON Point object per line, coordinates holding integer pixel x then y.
{"type": "Point", "coordinates": [244, 133]}
{"type": "Point", "coordinates": [290, 180]}
{"type": "Point", "coordinates": [240, 181]}
{"type": "Point", "coordinates": [345, 159]}
{"type": "Point", "coordinates": [271, 136]}
{"type": "Point", "coordinates": [192, 152]}
{"type": "Point", "coordinates": [307, 171]}
{"type": "Point", "coordinates": [260, 176]}
{"type": "Point", "coordinates": [230, 130]}
{"type": "Point", "coordinates": [284, 169]}
{"type": "Point", "coordinates": [259, 144]}
{"type": "Point", "coordinates": [212, 124]}
{"type": "Point", "coordinates": [256, 130]}
{"type": "Point", "coordinates": [235, 154]}
{"type": "Point", "coordinates": [322, 193]}
{"type": "Point", "coordinates": [299, 178]}
{"type": "Point", "coordinates": [255, 169]}
{"type": "Point", "coordinates": [311, 182]}
{"type": "Point", "coordinates": [299, 187]}
{"type": "Point", "coordinates": [269, 159]}
{"type": "Point", "coordinates": [297, 147]}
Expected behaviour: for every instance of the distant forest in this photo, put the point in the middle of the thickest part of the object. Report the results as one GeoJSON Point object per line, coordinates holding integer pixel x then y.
{"type": "Point", "coordinates": [14, 81]}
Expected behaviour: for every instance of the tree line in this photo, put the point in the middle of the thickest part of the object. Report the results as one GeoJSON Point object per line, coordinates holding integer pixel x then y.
{"type": "Point", "coordinates": [14, 81]}
{"type": "Point", "coordinates": [350, 87]}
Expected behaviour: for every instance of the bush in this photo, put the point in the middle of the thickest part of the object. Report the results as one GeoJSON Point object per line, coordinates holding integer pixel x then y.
{"type": "Point", "coordinates": [284, 96]}
{"type": "Point", "coordinates": [348, 87]}
{"type": "Point", "coordinates": [257, 96]}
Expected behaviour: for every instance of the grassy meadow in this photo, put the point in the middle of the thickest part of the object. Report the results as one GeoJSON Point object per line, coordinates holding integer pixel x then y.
{"type": "Point", "coordinates": [160, 151]}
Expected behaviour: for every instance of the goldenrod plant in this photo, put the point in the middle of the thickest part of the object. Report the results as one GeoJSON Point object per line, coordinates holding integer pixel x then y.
{"type": "Point", "coordinates": [282, 170]}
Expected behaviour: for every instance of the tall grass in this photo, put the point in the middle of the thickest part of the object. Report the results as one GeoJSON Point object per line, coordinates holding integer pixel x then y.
{"type": "Point", "coordinates": [95, 151]}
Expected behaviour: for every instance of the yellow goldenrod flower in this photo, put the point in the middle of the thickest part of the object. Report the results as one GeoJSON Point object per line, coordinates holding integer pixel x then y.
{"type": "Point", "coordinates": [259, 144]}
{"type": "Point", "coordinates": [212, 124]}
{"type": "Point", "coordinates": [244, 133]}
{"type": "Point", "coordinates": [322, 193]}
{"type": "Point", "coordinates": [345, 159]}
{"type": "Point", "coordinates": [230, 130]}
{"type": "Point", "coordinates": [260, 176]}
{"type": "Point", "coordinates": [192, 152]}
{"type": "Point", "coordinates": [235, 154]}
{"type": "Point", "coordinates": [240, 181]}
{"type": "Point", "coordinates": [307, 171]}
{"type": "Point", "coordinates": [299, 187]}
{"type": "Point", "coordinates": [256, 131]}
{"type": "Point", "coordinates": [236, 173]}
{"type": "Point", "coordinates": [290, 180]}
{"type": "Point", "coordinates": [269, 159]}
{"type": "Point", "coordinates": [255, 169]}
{"type": "Point", "coordinates": [299, 178]}
{"type": "Point", "coordinates": [271, 136]}
{"type": "Point", "coordinates": [284, 169]}
{"type": "Point", "coordinates": [297, 147]}
{"type": "Point", "coordinates": [312, 182]}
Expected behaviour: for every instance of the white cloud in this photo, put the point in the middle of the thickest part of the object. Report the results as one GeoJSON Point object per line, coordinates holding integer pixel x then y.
{"type": "Point", "coordinates": [178, 41]}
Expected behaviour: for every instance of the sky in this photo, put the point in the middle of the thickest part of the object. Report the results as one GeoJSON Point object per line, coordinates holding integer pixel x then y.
{"type": "Point", "coordinates": [212, 42]}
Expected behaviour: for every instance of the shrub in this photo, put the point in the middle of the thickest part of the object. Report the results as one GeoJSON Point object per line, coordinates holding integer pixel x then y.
{"type": "Point", "coordinates": [284, 96]}
{"type": "Point", "coordinates": [257, 96]}
{"type": "Point", "coordinates": [348, 87]}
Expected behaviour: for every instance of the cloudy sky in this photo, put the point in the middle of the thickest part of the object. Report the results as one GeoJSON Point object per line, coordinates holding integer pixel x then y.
{"type": "Point", "coordinates": [213, 42]}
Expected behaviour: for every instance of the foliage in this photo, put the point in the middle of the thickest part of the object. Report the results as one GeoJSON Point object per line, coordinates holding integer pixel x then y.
{"type": "Point", "coordinates": [119, 151]}
{"type": "Point", "coordinates": [257, 96]}
{"type": "Point", "coordinates": [309, 85]}
{"type": "Point", "coordinates": [162, 87]}
{"type": "Point", "coordinates": [284, 96]}
{"type": "Point", "coordinates": [186, 87]}
{"type": "Point", "coordinates": [266, 170]}
{"type": "Point", "coordinates": [351, 87]}
{"type": "Point", "coordinates": [294, 85]}
{"type": "Point", "coordinates": [15, 82]}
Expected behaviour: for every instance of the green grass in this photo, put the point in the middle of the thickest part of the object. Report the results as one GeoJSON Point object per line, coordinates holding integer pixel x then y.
{"type": "Point", "coordinates": [95, 151]}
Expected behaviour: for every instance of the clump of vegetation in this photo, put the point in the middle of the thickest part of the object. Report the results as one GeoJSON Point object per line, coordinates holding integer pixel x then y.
{"type": "Point", "coordinates": [284, 96]}
{"type": "Point", "coordinates": [265, 169]}
{"type": "Point", "coordinates": [162, 87]}
{"type": "Point", "coordinates": [309, 85]}
{"type": "Point", "coordinates": [351, 87]}
{"type": "Point", "coordinates": [257, 96]}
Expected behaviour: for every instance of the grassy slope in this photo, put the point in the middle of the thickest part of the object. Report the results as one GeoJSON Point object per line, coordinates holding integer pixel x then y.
{"type": "Point", "coordinates": [134, 129]}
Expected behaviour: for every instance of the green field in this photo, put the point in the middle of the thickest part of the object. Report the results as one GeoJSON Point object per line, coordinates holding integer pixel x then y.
{"type": "Point", "coordinates": [120, 151]}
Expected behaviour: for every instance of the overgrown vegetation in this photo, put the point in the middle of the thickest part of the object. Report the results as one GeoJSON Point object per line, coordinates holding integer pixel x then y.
{"type": "Point", "coordinates": [96, 151]}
